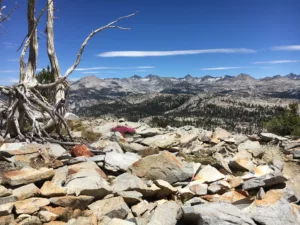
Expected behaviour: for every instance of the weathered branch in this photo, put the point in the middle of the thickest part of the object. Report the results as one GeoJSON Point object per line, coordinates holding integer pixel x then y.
{"type": "Point", "coordinates": [9, 14]}
{"type": "Point", "coordinates": [74, 66]}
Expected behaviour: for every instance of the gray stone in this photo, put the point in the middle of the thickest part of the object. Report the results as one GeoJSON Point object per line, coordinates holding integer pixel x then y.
{"type": "Point", "coordinates": [208, 174]}
{"type": "Point", "coordinates": [166, 214]}
{"type": "Point", "coordinates": [270, 137]}
{"type": "Point", "coordinates": [166, 188]}
{"type": "Point", "coordinates": [267, 180]}
{"type": "Point", "coordinates": [31, 220]}
{"type": "Point", "coordinates": [112, 207]}
{"type": "Point", "coordinates": [31, 205]}
{"type": "Point", "coordinates": [195, 201]}
{"type": "Point", "coordinates": [116, 221]}
{"type": "Point", "coordinates": [87, 180]}
{"type": "Point", "coordinates": [214, 188]}
{"type": "Point", "coordinates": [120, 162]}
{"type": "Point", "coordinates": [273, 210]}
{"type": "Point", "coordinates": [74, 202]}
{"type": "Point", "coordinates": [97, 158]}
{"type": "Point", "coordinates": [296, 154]}
{"type": "Point", "coordinates": [127, 182]}
{"type": "Point", "coordinates": [260, 194]}
{"type": "Point", "coordinates": [163, 166]}
{"type": "Point", "coordinates": [143, 207]}
{"type": "Point", "coordinates": [253, 147]}
{"type": "Point", "coordinates": [163, 141]}
{"type": "Point", "coordinates": [7, 199]}
{"type": "Point", "coordinates": [215, 214]}
{"type": "Point", "coordinates": [131, 197]}
{"type": "Point", "coordinates": [278, 164]}
{"type": "Point", "coordinates": [198, 189]}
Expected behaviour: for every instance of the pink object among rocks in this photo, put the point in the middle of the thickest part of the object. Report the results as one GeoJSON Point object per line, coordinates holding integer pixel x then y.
{"type": "Point", "coordinates": [124, 130]}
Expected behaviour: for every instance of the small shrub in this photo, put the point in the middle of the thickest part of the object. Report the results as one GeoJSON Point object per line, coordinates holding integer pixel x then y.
{"type": "Point", "coordinates": [90, 135]}
{"type": "Point", "coordinates": [288, 123]}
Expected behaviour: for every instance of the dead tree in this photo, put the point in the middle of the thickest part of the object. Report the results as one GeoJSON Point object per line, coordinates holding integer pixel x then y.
{"type": "Point", "coordinates": [25, 99]}
{"type": "Point", "coordinates": [4, 17]}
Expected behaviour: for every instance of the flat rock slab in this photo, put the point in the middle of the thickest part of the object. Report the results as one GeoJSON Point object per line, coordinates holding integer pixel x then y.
{"type": "Point", "coordinates": [267, 180]}
{"type": "Point", "coordinates": [215, 213]}
{"type": "Point", "coordinates": [273, 209]}
{"type": "Point", "coordinates": [26, 176]}
{"type": "Point", "coordinates": [87, 179]}
{"type": "Point", "coordinates": [74, 202]}
{"type": "Point", "coordinates": [112, 207]}
{"type": "Point", "coordinates": [120, 162]}
{"type": "Point", "coordinates": [6, 209]}
{"type": "Point", "coordinates": [253, 147]}
{"type": "Point", "coordinates": [166, 214]}
{"type": "Point", "coordinates": [161, 141]}
{"type": "Point", "coordinates": [30, 205]}
{"type": "Point", "coordinates": [208, 174]}
{"type": "Point", "coordinates": [163, 166]}
{"type": "Point", "coordinates": [26, 191]}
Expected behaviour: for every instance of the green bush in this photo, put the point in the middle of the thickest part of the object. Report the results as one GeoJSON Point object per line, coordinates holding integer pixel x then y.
{"type": "Point", "coordinates": [288, 123]}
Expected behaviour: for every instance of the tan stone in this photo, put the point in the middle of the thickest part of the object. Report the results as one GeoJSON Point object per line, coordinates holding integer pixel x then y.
{"type": "Point", "coordinates": [4, 191]}
{"type": "Point", "coordinates": [30, 205]}
{"type": "Point", "coordinates": [26, 176]}
{"type": "Point", "coordinates": [6, 209]}
{"type": "Point", "coordinates": [208, 174]}
{"type": "Point", "coordinates": [46, 216]}
{"type": "Point", "coordinates": [7, 220]}
{"type": "Point", "coordinates": [74, 202]}
{"type": "Point", "coordinates": [50, 189]}
{"type": "Point", "coordinates": [262, 170]}
{"type": "Point", "coordinates": [26, 191]}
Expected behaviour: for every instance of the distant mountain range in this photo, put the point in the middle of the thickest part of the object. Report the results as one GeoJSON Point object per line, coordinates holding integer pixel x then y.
{"type": "Point", "coordinates": [233, 102]}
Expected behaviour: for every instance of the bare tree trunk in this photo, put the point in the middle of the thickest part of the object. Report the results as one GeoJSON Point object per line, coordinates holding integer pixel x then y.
{"type": "Point", "coordinates": [33, 46]}
{"type": "Point", "coordinates": [55, 69]}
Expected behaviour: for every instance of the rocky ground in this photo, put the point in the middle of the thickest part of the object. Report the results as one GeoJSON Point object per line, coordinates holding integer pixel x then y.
{"type": "Point", "coordinates": [152, 176]}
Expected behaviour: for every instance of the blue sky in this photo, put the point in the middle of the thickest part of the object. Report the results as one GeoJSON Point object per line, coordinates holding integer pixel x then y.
{"type": "Point", "coordinates": [167, 38]}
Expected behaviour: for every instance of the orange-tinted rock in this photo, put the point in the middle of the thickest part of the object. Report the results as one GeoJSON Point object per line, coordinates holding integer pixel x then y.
{"type": "Point", "coordinates": [81, 150]}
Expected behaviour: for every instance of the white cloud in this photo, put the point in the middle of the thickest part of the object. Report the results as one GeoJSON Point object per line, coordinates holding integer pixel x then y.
{"type": "Point", "coordinates": [113, 68]}
{"type": "Point", "coordinates": [91, 72]}
{"type": "Point", "coordinates": [171, 53]}
{"type": "Point", "coordinates": [222, 68]}
{"type": "Point", "coordinates": [8, 45]}
{"type": "Point", "coordinates": [13, 60]}
{"type": "Point", "coordinates": [277, 62]}
{"type": "Point", "coordinates": [286, 48]}
{"type": "Point", "coordinates": [9, 71]}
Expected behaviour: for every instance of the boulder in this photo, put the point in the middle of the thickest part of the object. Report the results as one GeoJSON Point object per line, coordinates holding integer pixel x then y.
{"type": "Point", "coordinates": [112, 207]}
{"type": "Point", "coordinates": [26, 176]}
{"type": "Point", "coordinates": [74, 202]}
{"type": "Point", "coordinates": [163, 141]}
{"type": "Point", "coordinates": [270, 137]}
{"type": "Point", "coordinates": [273, 209]}
{"type": "Point", "coordinates": [163, 166]}
{"type": "Point", "coordinates": [166, 214]}
{"type": "Point", "coordinates": [87, 179]}
{"type": "Point", "coordinates": [50, 189]}
{"type": "Point", "coordinates": [219, 134]}
{"type": "Point", "coordinates": [215, 213]}
{"type": "Point", "coordinates": [253, 147]}
{"type": "Point", "coordinates": [140, 209]}
{"type": "Point", "coordinates": [127, 182]}
{"type": "Point", "coordinates": [131, 197]}
{"type": "Point", "coordinates": [4, 191]}
{"type": "Point", "coordinates": [6, 209]}
{"type": "Point", "coordinates": [208, 174]}
{"type": "Point", "coordinates": [262, 170]}
{"type": "Point", "coordinates": [120, 162]}
{"type": "Point", "coordinates": [26, 191]}
{"type": "Point", "coordinates": [31, 205]}
{"type": "Point", "coordinates": [244, 164]}
{"type": "Point", "coordinates": [46, 216]}
{"type": "Point", "coordinates": [267, 180]}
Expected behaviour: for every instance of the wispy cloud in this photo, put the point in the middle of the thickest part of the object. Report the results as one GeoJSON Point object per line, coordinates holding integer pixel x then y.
{"type": "Point", "coordinates": [9, 71]}
{"type": "Point", "coordinates": [172, 53]}
{"type": "Point", "coordinates": [223, 68]}
{"type": "Point", "coordinates": [8, 45]}
{"type": "Point", "coordinates": [91, 72]}
{"type": "Point", "coordinates": [286, 48]}
{"type": "Point", "coordinates": [113, 68]}
{"type": "Point", "coordinates": [13, 60]}
{"type": "Point", "coordinates": [276, 62]}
